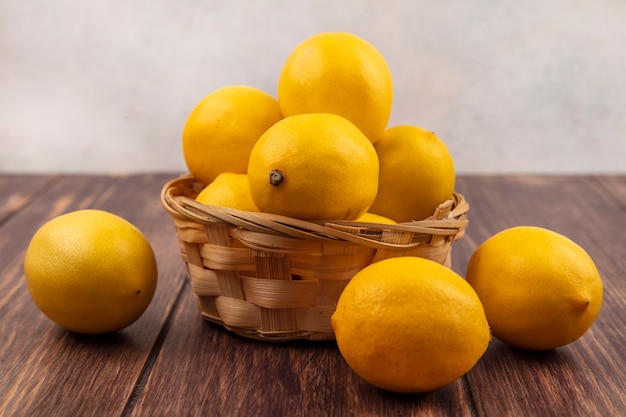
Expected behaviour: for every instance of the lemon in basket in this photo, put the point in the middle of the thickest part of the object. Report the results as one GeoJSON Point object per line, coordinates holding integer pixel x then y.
{"type": "Point", "coordinates": [228, 190]}
{"type": "Point", "coordinates": [90, 271]}
{"type": "Point", "coordinates": [540, 289]}
{"type": "Point", "coordinates": [313, 166]}
{"type": "Point", "coordinates": [409, 324]}
{"type": "Point", "coordinates": [222, 129]}
{"type": "Point", "coordinates": [339, 73]}
{"type": "Point", "coordinates": [416, 173]}
{"type": "Point", "coordinates": [375, 218]}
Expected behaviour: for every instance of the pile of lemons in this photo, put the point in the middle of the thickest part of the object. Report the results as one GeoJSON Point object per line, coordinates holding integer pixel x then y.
{"type": "Point", "coordinates": [323, 148]}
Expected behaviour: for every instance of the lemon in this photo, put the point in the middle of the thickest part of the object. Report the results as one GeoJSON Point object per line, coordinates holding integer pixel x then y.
{"type": "Point", "coordinates": [540, 289]}
{"type": "Point", "coordinates": [222, 129]}
{"type": "Point", "coordinates": [409, 324]}
{"type": "Point", "coordinates": [90, 271]}
{"type": "Point", "coordinates": [313, 166]}
{"type": "Point", "coordinates": [339, 73]}
{"type": "Point", "coordinates": [375, 218]}
{"type": "Point", "coordinates": [228, 190]}
{"type": "Point", "coordinates": [416, 174]}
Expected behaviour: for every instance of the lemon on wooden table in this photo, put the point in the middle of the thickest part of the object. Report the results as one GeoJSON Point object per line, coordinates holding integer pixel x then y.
{"type": "Point", "coordinates": [228, 190]}
{"type": "Point", "coordinates": [90, 271]}
{"type": "Point", "coordinates": [409, 324]}
{"type": "Point", "coordinates": [222, 129]}
{"type": "Point", "coordinates": [540, 289]}
{"type": "Point", "coordinates": [416, 174]}
{"type": "Point", "coordinates": [313, 166]}
{"type": "Point", "coordinates": [339, 73]}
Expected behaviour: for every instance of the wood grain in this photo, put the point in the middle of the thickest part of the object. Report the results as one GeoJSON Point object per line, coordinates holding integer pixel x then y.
{"type": "Point", "coordinates": [44, 369]}
{"type": "Point", "coordinates": [585, 378]}
{"type": "Point", "coordinates": [17, 190]}
{"type": "Point", "coordinates": [214, 372]}
{"type": "Point", "coordinates": [171, 362]}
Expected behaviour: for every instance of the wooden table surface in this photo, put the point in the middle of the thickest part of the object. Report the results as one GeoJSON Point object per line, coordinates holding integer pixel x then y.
{"type": "Point", "coordinates": [173, 363]}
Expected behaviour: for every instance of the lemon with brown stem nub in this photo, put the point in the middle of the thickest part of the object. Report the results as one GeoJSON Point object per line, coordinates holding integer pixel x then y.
{"type": "Point", "coordinates": [313, 166]}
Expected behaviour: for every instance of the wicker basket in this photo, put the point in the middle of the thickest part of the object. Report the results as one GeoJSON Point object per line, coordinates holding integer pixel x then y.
{"type": "Point", "coordinates": [277, 278]}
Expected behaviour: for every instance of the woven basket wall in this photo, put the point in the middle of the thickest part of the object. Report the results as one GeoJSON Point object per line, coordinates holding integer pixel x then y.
{"type": "Point", "coordinates": [277, 278]}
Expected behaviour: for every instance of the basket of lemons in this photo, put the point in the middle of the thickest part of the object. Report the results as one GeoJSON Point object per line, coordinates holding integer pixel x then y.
{"type": "Point", "coordinates": [288, 198]}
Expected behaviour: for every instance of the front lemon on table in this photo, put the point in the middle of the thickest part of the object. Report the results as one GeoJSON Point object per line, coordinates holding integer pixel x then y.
{"type": "Point", "coordinates": [312, 167]}
{"type": "Point", "coordinates": [90, 271]}
{"type": "Point", "coordinates": [409, 324]}
{"type": "Point", "coordinates": [540, 289]}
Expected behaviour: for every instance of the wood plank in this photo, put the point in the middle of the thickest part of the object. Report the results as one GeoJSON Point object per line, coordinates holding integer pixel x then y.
{"type": "Point", "coordinates": [171, 362]}
{"type": "Point", "coordinates": [46, 370]}
{"type": "Point", "coordinates": [585, 378]}
{"type": "Point", "coordinates": [615, 186]}
{"type": "Point", "coordinates": [205, 370]}
{"type": "Point", "coordinates": [17, 190]}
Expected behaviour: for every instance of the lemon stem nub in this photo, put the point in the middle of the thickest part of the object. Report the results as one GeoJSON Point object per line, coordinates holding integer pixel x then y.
{"type": "Point", "coordinates": [276, 177]}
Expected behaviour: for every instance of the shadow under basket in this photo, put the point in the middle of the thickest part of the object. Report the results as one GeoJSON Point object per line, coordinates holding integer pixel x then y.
{"type": "Point", "coordinates": [276, 278]}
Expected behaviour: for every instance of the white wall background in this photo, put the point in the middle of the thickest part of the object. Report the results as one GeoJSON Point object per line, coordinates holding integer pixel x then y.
{"type": "Point", "coordinates": [106, 86]}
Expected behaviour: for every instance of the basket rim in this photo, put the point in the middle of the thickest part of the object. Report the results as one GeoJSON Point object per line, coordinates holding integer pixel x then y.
{"type": "Point", "coordinates": [449, 220]}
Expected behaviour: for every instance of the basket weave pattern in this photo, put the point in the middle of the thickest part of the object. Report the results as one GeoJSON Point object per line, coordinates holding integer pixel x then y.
{"type": "Point", "coordinates": [277, 278]}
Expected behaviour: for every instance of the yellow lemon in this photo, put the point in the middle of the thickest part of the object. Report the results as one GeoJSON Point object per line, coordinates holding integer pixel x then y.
{"type": "Point", "coordinates": [409, 324]}
{"type": "Point", "coordinates": [540, 289]}
{"type": "Point", "coordinates": [375, 218]}
{"type": "Point", "coordinates": [222, 129]}
{"type": "Point", "coordinates": [228, 190]}
{"type": "Point", "coordinates": [313, 166]}
{"type": "Point", "coordinates": [416, 174]}
{"type": "Point", "coordinates": [90, 271]}
{"type": "Point", "coordinates": [340, 73]}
